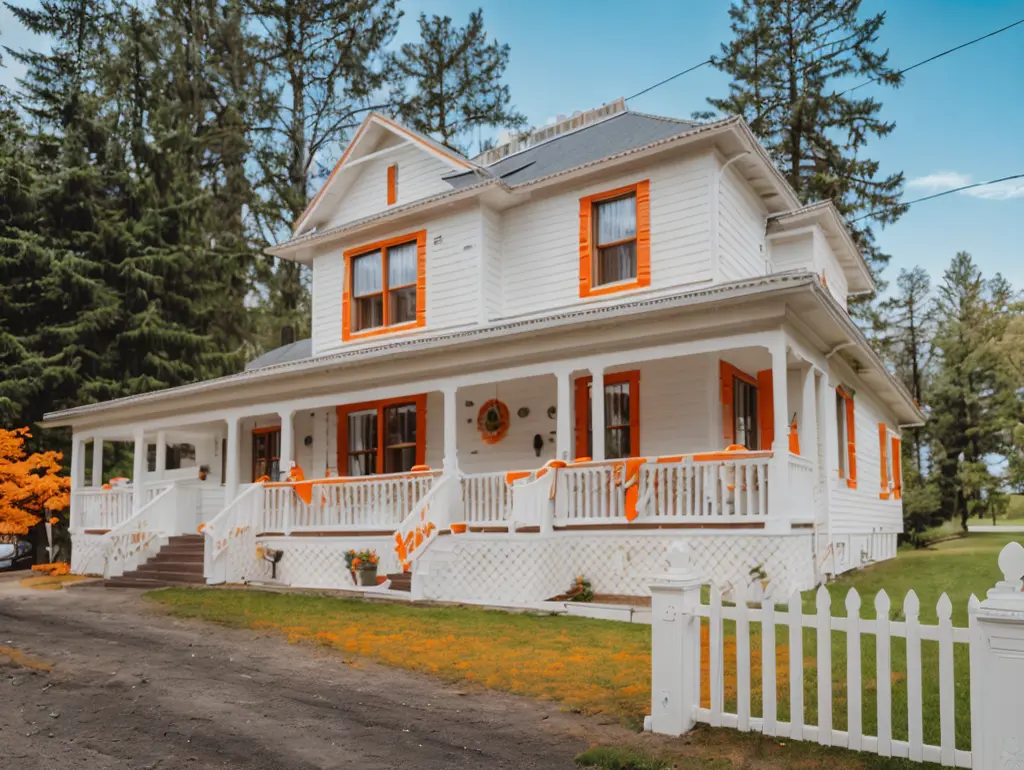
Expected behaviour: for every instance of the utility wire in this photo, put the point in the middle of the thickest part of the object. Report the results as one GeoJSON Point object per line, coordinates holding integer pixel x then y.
{"type": "Point", "coordinates": [937, 195]}
{"type": "Point", "coordinates": [938, 55]}
{"type": "Point", "coordinates": [669, 79]}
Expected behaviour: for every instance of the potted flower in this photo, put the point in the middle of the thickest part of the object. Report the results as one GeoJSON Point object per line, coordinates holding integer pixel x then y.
{"type": "Point", "coordinates": [362, 565]}
{"type": "Point", "coordinates": [204, 471]}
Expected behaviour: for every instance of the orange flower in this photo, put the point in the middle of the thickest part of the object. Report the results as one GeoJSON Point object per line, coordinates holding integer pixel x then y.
{"type": "Point", "coordinates": [54, 521]}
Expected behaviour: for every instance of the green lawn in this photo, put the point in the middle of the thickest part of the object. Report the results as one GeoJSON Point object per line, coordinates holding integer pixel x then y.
{"type": "Point", "coordinates": [604, 667]}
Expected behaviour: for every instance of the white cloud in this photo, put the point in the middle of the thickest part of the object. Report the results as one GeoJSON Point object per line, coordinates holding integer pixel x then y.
{"type": "Point", "coordinates": [941, 181]}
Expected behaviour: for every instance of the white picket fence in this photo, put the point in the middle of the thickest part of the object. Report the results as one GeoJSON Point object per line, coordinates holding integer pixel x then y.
{"type": "Point", "coordinates": [765, 622]}
{"type": "Point", "coordinates": [948, 676]}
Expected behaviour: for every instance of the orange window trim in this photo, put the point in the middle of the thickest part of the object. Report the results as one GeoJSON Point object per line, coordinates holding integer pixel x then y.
{"type": "Point", "coordinates": [883, 451]}
{"type": "Point", "coordinates": [643, 240]}
{"type": "Point", "coordinates": [851, 439]}
{"type": "Point", "coordinates": [420, 237]}
{"type": "Point", "coordinates": [766, 408]}
{"type": "Point", "coordinates": [421, 428]}
{"type": "Point", "coordinates": [392, 184]}
{"type": "Point", "coordinates": [726, 373]}
{"type": "Point", "coordinates": [897, 469]}
{"type": "Point", "coordinates": [583, 409]}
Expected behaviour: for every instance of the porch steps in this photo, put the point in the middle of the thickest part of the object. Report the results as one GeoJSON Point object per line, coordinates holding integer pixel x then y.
{"type": "Point", "coordinates": [400, 581]}
{"type": "Point", "coordinates": [180, 562]}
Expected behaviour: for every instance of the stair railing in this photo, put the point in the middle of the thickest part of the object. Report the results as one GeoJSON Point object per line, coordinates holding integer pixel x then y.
{"type": "Point", "coordinates": [138, 539]}
{"type": "Point", "coordinates": [231, 529]}
{"type": "Point", "coordinates": [432, 513]}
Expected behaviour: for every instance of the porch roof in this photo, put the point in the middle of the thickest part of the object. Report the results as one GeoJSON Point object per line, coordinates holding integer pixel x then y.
{"type": "Point", "coordinates": [833, 330]}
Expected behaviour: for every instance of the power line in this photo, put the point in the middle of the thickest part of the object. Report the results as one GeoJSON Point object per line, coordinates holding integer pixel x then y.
{"type": "Point", "coordinates": [938, 55]}
{"type": "Point", "coordinates": [669, 79]}
{"type": "Point", "coordinates": [937, 195]}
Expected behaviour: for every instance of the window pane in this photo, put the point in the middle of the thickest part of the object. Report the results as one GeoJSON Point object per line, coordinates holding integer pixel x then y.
{"type": "Point", "coordinates": [402, 264]}
{"type": "Point", "coordinates": [402, 305]}
{"type": "Point", "coordinates": [616, 404]}
{"type": "Point", "coordinates": [399, 459]}
{"type": "Point", "coordinates": [617, 443]}
{"type": "Point", "coordinates": [368, 313]}
{"type": "Point", "coordinates": [616, 220]}
{"type": "Point", "coordinates": [362, 431]}
{"type": "Point", "coordinates": [616, 263]}
{"type": "Point", "coordinates": [367, 277]}
{"type": "Point", "coordinates": [400, 424]}
{"type": "Point", "coordinates": [841, 432]}
{"type": "Point", "coordinates": [744, 405]}
{"type": "Point", "coordinates": [363, 464]}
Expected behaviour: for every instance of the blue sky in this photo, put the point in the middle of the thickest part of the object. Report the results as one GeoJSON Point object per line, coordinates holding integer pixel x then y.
{"type": "Point", "coordinates": [958, 120]}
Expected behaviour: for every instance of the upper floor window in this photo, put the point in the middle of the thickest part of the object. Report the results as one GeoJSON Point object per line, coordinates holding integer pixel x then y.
{"type": "Point", "coordinates": [385, 287]}
{"type": "Point", "coordinates": [615, 240]}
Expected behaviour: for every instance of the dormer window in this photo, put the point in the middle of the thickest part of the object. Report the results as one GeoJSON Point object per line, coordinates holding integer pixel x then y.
{"type": "Point", "coordinates": [615, 240]}
{"type": "Point", "coordinates": [385, 287]}
{"type": "Point", "coordinates": [392, 184]}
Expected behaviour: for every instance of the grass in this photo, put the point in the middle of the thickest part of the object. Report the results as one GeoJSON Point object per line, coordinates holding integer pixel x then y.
{"type": "Point", "coordinates": [614, 758]}
{"type": "Point", "coordinates": [594, 666]}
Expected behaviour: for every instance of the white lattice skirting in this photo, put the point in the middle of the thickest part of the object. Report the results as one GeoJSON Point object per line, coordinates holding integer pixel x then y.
{"type": "Point", "coordinates": [308, 562]}
{"type": "Point", "coordinates": [513, 569]}
{"type": "Point", "coordinates": [87, 554]}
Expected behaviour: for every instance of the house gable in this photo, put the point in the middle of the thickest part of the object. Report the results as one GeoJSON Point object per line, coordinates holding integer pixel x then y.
{"type": "Point", "coordinates": [384, 165]}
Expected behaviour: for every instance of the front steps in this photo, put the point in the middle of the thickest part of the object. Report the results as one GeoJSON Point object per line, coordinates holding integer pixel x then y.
{"type": "Point", "coordinates": [400, 581]}
{"type": "Point", "coordinates": [180, 562]}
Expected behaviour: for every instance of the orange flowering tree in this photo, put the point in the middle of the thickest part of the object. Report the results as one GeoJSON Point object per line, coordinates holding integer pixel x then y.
{"type": "Point", "coordinates": [30, 485]}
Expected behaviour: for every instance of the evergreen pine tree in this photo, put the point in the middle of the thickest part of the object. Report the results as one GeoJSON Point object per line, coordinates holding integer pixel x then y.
{"type": "Point", "coordinates": [327, 58]}
{"type": "Point", "coordinates": [791, 62]}
{"type": "Point", "coordinates": [449, 82]}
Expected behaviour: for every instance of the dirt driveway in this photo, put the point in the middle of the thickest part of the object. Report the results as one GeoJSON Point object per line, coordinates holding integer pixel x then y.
{"type": "Point", "coordinates": [132, 688]}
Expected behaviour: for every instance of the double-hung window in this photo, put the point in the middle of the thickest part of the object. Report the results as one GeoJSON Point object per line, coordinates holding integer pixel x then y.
{"type": "Point", "coordinates": [382, 436]}
{"type": "Point", "coordinates": [621, 416]}
{"type": "Point", "coordinates": [385, 290]}
{"type": "Point", "coordinates": [266, 453]}
{"type": "Point", "coordinates": [615, 240]}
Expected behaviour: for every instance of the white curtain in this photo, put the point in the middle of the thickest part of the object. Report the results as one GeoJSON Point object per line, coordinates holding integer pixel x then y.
{"type": "Point", "coordinates": [367, 276]}
{"type": "Point", "coordinates": [616, 220]}
{"type": "Point", "coordinates": [402, 265]}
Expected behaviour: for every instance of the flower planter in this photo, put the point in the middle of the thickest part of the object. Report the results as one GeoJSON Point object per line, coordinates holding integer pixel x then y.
{"type": "Point", "coordinates": [367, 576]}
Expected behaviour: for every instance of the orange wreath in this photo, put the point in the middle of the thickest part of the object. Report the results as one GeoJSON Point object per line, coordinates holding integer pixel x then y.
{"type": "Point", "coordinates": [492, 421]}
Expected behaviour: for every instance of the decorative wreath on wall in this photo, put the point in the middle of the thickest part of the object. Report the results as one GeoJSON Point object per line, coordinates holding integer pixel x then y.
{"type": "Point", "coordinates": [492, 421]}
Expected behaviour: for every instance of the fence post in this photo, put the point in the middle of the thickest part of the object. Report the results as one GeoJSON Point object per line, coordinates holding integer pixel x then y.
{"type": "Point", "coordinates": [675, 645]}
{"type": "Point", "coordinates": [997, 668]}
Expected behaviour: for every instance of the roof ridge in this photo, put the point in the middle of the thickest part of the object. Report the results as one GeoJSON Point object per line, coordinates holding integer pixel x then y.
{"type": "Point", "coordinates": [666, 118]}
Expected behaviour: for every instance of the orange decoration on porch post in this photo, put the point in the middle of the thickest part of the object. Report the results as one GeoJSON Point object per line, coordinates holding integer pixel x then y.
{"type": "Point", "coordinates": [794, 438]}
{"type": "Point", "coordinates": [632, 483]}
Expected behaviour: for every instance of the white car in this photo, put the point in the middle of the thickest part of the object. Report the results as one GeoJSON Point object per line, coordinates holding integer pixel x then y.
{"type": "Point", "coordinates": [15, 554]}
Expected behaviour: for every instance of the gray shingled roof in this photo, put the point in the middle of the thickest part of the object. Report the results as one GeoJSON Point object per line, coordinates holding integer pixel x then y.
{"type": "Point", "coordinates": [619, 133]}
{"type": "Point", "coordinates": [295, 351]}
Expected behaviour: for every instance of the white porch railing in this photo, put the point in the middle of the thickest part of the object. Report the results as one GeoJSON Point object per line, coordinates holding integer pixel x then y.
{"type": "Point", "coordinates": [171, 511]}
{"type": "Point", "coordinates": [487, 498]}
{"type": "Point", "coordinates": [803, 493]}
{"type": "Point", "coordinates": [99, 508]}
{"type": "Point", "coordinates": [719, 486]}
{"type": "Point", "coordinates": [590, 493]}
{"type": "Point", "coordinates": [364, 502]}
{"type": "Point", "coordinates": [232, 528]}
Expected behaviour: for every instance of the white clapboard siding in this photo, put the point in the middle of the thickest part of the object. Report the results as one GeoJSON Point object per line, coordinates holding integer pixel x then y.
{"type": "Point", "coordinates": [768, 618]}
{"type": "Point", "coordinates": [741, 229]}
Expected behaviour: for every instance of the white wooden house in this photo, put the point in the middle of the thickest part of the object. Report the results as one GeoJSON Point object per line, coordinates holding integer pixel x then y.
{"type": "Point", "coordinates": [465, 312]}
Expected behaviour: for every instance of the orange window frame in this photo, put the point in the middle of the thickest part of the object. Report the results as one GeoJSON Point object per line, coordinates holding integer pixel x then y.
{"type": "Point", "coordinates": [763, 384]}
{"type": "Point", "coordinates": [897, 468]}
{"type": "Point", "coordinates": [851, 439]}
{"type": "Point", "coordinates": [642, 190]}
{"type": "Point", "coordinates": [583, 409]}
{"type": "Point", "coordinates": [420, 402]}
{"type": "Point", "coordinates": [259, 432]}
{"type": "Point", "coordinates": [392, 184]}
{"type": "Point", "coordinates": [420, 238]}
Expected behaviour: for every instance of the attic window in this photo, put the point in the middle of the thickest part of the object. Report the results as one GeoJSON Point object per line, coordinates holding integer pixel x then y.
{"type": "Point", "coordinates": [392, 184]}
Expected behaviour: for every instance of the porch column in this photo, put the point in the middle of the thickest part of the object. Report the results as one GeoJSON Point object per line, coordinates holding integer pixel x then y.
{"type": "Point", "coordinates": [451, 424]}
{"type": "Point", "coordinates": [231, 461]}
{"type": "Point", "coordinates": [563, 427]}
{"type": "Point", "coordinates": [97, 461]}
{"type": "Point", "coordinates": [161, 453]}
{"type": "Point", "coordinates": [139, 471]}
{"type": "Point", "coordinates": [830, 470]}
{"type": "Point", "coordinates": [596, 413]}
{"type": "Point", "coordinates": [778, 484]}
{"type": "Point", "coordinates": [808, 427]}
{"type": "Point", "coordinates": [77, 473]}
{"type": "Point", "coordinates": [287, 443]}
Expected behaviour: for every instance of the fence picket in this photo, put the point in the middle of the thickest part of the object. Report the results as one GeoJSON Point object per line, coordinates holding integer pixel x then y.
{"type": "Point", "coordinates": [823, 605]}
{"type": "Point", "coordinates": [853, 683]}
{"type": "Point", "coordinates": [742, 659]}
{"type": "Point", "coordinates": [716, 672]}
{"type": "Point", "coordinates": [947, 735]}
{"type": "Point", "coordinates": [883, 673]}
{"type": "Point", "coordinates": [796, 668]}
{"type": "Point", "coordinates": [915, 739]}
{"type": "Point", "coordinates": [768, 657]}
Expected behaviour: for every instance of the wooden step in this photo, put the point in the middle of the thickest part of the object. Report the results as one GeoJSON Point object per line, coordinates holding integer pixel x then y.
{"type": "Point", "coordinates": [400, 581]}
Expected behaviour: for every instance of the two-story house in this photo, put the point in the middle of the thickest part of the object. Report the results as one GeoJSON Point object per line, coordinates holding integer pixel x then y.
{"type": "Point", "coordinates": [553, 359]}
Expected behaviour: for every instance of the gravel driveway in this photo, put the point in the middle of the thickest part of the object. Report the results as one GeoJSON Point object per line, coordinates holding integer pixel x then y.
{"type": "Point", "coordinates": [133, 688]}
